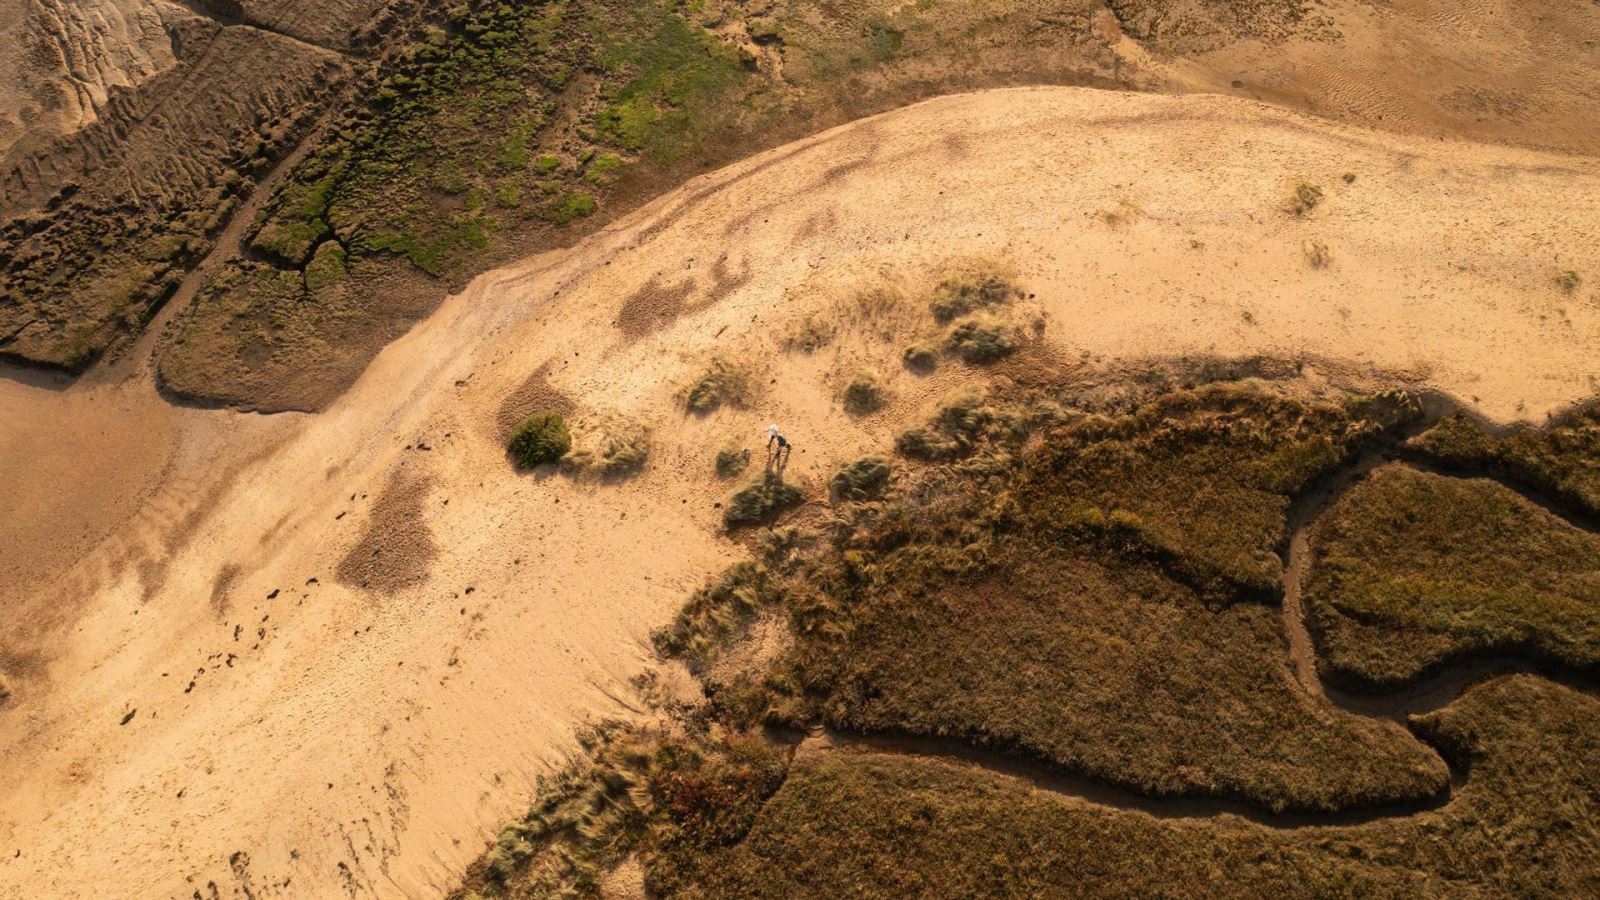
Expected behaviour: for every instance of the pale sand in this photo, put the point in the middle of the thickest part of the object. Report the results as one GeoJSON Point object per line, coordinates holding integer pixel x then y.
{"type": "Point", "coordinates": [373, 743]}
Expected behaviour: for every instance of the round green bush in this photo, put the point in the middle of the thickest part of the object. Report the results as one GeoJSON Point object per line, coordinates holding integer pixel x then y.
{"type": "Point", "coordinates": [541, 438]}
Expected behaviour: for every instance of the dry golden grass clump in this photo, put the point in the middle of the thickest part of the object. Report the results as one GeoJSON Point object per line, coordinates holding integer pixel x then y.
{"type": "Point", "coordinates": [971, 288]}
{"type": "Point", "coordinates": [731, 460]}
{"type": "Point", "coordinates": [810, 334]}
{"type": "Point", "coordinates": [723, 382]}
{"type": "Point", "coordinates": [1562, 462]}
{"type": "Point", "coordinates": [981, 339]}
{"type": "Point", "coordinates": [610, 446]}
{"type": "Point", "coordinates": [761, 501]}
{"type": "Point", "coordinates": [921, 358]}
{"type": "Point", "coordinates": [1200, 480]}
{"type": "Point", "coordinates": [864, 479]}
{"type": "Point", "coordinates": [864, 394]}
{"type": "Point", "coordinates": [1412, 570]}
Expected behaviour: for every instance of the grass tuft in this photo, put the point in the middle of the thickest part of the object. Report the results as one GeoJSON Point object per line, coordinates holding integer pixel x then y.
{"type": "Point", "coordinates": [1304, 199]}
{"type": "Point", "coordinates": [731, 460]}
{"type": "Point", "coordinates": [921, 359]}
{"type": "Point", "coordinates": [761, 502]}
{"type": "Point", "coordinates": [722, 382]}
{"type": "Point", "coordinates": [864, 394]}
{"type": "Point", "coordinates": [980, 340]}
{"type": "Point", "coordinates": [864, 479]}
{"type": "Point", "coordinates": [542, 438]}
{"type": "Point", "coordinates": [969, 291]}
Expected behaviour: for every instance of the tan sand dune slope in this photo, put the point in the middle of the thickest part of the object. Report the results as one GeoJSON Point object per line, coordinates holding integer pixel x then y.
{"type": "Point", "coordinates": [201, 700]}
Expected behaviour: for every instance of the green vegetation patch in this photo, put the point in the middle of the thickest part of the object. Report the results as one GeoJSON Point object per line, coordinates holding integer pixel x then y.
{"type": "Point", "coordinates": [542, 438]}
{"type": "Point", "coordinates": [1562, 461]}
{"type": "Point", "coordinates": [1201, 480]}
{"type": "Point", "coordinates": [1412, 569]}
{"type": "Point", "coordinates": [676, 74]}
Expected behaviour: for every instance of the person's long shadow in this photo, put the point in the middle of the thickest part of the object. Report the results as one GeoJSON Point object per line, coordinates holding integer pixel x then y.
{"type": "Point", "coordinates": [777, 462]}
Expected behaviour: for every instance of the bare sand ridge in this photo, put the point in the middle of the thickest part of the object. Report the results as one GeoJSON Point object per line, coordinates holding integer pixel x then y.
{"type": "Point", "coordinates": [60, 61]}
{"type": "Point", "coordinates": [199, 697]}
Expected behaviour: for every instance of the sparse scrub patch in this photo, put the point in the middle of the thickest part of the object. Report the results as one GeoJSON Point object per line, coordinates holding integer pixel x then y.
{"type": "Point", "coordinates": [1412, 569]}
{"type": "Point", "coordinates": [761, 502]}
{"type": "Point", "coordinates": [542, 438]}
{"type": "Point", "coordinates": [864, 479]}
{"type": "Point", "coordinates": [921, 358]}
{"type": "Point", "coordinates": [968, 291]}
{"type": "Point", "coordinates": [1569, 281]}
{"type": "Point", "coordinates": [722, 382]}
{"type": "Point", "coordinates": [864, 394]}
{"type": "Point", "coordinates": [731, 460]}
{"type": "Point", "coordinates": [1316, 254]}
{"type": "Point", "coordinates": [810, 334]}
{"type": "Point", "coordinates": [1304, 199]}
{"type": "Point", "coordinates": [979, 340]}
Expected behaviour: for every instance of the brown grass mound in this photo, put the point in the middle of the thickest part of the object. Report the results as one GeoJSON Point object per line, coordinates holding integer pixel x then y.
{"type": "Point", "coordinates": [1411, 569]}
{"type": "Point", "coordinates": [963, 606]}
{"type": "Point", "coordinates": [1200, 479]}
{"type": "Point", "coordinates": [877, 825]}
{"type": "Point", "coordinates": [1562, 461]}
{"type": "Point", "coordinates": [397, 546]}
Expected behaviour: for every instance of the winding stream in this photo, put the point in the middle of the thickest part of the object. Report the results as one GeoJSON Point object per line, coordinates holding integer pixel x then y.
{"type": "Point", "coordinates": [1434, 692]}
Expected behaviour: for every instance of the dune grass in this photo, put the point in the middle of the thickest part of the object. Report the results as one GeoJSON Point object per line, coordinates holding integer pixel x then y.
{"type": "Point", "coordinates": [722, 382]}
{"type": "Point", "coordinates": [761, 501]}
{"type": "Point", "coordinates": [878, 825]}
{"type": "Point", "coordinates": [1063, 659]}
{"type": "Point", "coordinates": [1200, 480]}
{"type": "Point", "coordinates": [1411, 569]}
{"type": "Point", "coordinates": [963, 605]}
{"type": "Point", "coordinates": [1562, 461]}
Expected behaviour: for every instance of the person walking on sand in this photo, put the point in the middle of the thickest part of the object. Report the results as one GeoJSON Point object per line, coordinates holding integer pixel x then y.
{"type": "Point", "coordinates": [774, 435]}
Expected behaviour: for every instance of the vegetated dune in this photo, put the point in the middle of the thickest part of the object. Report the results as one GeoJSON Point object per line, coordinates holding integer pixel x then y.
{"type": "Point", "coordinates": [198, 697]}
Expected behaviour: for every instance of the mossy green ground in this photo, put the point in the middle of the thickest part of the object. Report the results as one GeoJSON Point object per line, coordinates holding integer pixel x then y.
{"type": "Point", "coordinates": [1411, 569]}
{"type": "Point", "coordinates": [513, 127]}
